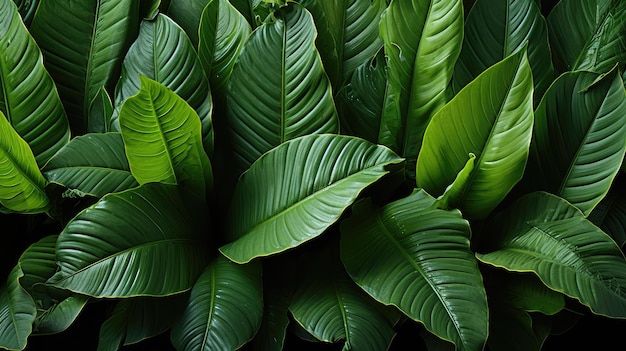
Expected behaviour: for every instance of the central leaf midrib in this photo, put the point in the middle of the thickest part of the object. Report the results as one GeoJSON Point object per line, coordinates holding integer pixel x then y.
{"type": "Point", "coordinates": [211, 303]}
{"type": "Point", "coordinates": [283, 83]}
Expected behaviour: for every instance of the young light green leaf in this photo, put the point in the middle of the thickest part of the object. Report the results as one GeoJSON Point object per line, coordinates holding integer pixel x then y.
{"type": "Point", "coordinates": [578, 140]}
{"type": "Point", "coordinates": [291, 98]}
{"type": "Point", "coordinates": [455, 190]}
{"type": "Point", "coordinates": [492, 118]}
{"type": "Point", "coordinates": [28, 96]}
{"type": "Point", "coordinates": [417, 257]}
{"type": "Point", "coordinates": [95, 164]}
{"type": "Point", "coordinates": [224, 310]}
{"type": "Point", "coordinates": [102, 255]}
{"type": "Point", "coordinates": [545, 234]}
{"type": "Point", "coordinates": [296, 191]}
{"type": "Point", "coordinates": [162, 138]}
{"type": "Point", "coordinates": [22, 187]}
{"type": "Point", "coordinates": [422, 40]}
{"type": "Point", "coordinates": [83, 44]}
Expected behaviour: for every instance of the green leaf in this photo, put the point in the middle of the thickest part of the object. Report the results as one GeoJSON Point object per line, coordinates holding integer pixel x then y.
{"type": "Point", "coordinates": [578, 140]}
{"type": "Point", "coordinates": [21, 183]}
{"type": "Point", "coordinates": [291, 98]}
{"type": "Point", "coordinates": [28, 96]}
{"type": "Point", "coordinates": [134, 320]}
{"type": "Point", "coordinates": [94, 164]}
{"type": "Point", "coordinates": [17, 313]}
{"type": "Point", "coordinates": [186, 13]}
{"type": "Point", "coordinates": [83, 44]}
{"type": "Point", "coordinates": [100, 112]}
{"type": "Point", "coordinates": [224, 310]}
{"type": "Point", "coordinates": [492, 118]}
{"type": "Point", "coordinates": [223, 32]}
{"type": "Point", "coordinates": [545, 234]}
{"type": "Point", "coordinates": [495, 30]}
{"type": "Point", "coordinates": [163, 52]}
{"type": "Point", "coordinates": [60, 315]}
{"type": "Point", "coordinates": [417, 257]}
{"type": "Point", "coordinates": [331, 307]}
{"type": "Point", "coordinates": [348, 34]}
{"type": "Point", "coordinates": [27, 9]}
{"type": "Point", "coordinates": [361, 100]}
{"type": "Point", "coordinates": [162, 138]}
{"type": "Point", "coordinates": [102, 255]}
{"type": "Point", "coordinates": [455, 190]}
{"type": "Point", "coordinates": [251, 10]}
{"type": "Point", "coordinates": [588, 34]}
{"type": "Point", "coordinates": [422, 40]}
{"type": "Point", "coordinates": [295, 192]}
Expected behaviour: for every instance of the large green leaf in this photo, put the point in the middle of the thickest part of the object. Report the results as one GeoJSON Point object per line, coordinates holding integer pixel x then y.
{"type": "Point", "coordinates": [412, 255]}
{"type": "Point", "coordinates": [280, 94]}
{"type": "Point", "coordinates": [545, 234]}
{"type": "Point", "coordinates": [94, 164]}
{"type": "Point", "coordinates": [83, 43]}
{"type": "Point", "coordinates": [21, 183]}
{"type": "Point", "coordinates": [223, 32]}
{"type": "Point", "coordinates": [138, 251]}
{"type": "Point", "coordinates": [17, 313]}
{"type": "Point", "coordinates": [492, 118]}
{"type": "Point", "coordinates": [163, 52]}
{"type": "Point", "coordinates": [187, 14]}
{"type": "Point", "coordinates": [224, 310]}
{"type": "Point", "coordinates": [588, 34]}
{"type": "Point", "coordinates": [134, 320]}
{"type": "Point", "coordinates": [331, 307]}
{"type": "Point", "coordinates": [296, 191]}
{"type": "Point", "coordinates": [578, 140]}
{"type": "Point", "coordinates": [348, 34]}
{"type": "Point", "coordinates": [28, 96]}
{"type": "Point", "coordinates": [495, 30]}
{"type": "Point", "coordinates": [162, 138]}
{"type": "Point", "coordinates": [422, 41]}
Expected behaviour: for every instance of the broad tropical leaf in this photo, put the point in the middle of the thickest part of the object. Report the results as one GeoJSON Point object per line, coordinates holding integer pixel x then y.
{"type": "Point", "coordinates": [186, 13]}
{"type": "Point", "coordinates": [94, 164]}
{"type": "Point", "coordinates": [100, 112]}
{"type": "Point", "coordinates": [412, 255]}
{"type": "Point", "coordinates": [588, 34]}
{"type": "Point", "coordinates": [291, 98]}
{"type": "Point", "coordinates": [21, 183]}
{"type": "Point", "coordinates": [162, 138]}
{"type": "Point", "coordinates": [331, 307]}
{"type": "Point", "coordinates": [28, 96]}
{"type": "Point", "coordinates": [224, 310]}
{"type": "Point", "coordinates": [492, 118]}
{"type": "Point", "coordinates": [545, 234]}
{"type": "Point", "coordinates": [83, 43]}
{"type": "Point", "coordinates": [223, 31]}
{"type": "Point", "coordinates": [163, 52]}
{"type": "Point", "coordinates": [60, 315]}
{"type": "Point", "coordinates": [134, 320]}
{"type": "Point", "coordinates": [495, 30]}
{"type": "Point", "coordinates": [578, 140]}
{"type": "Point", "coordinates": [348, 34]}
{"type": "Point", "coordinates": [102, 255]}
{"type": "Point", "coordinates": [295, 192]}
{"type": "Point", "coordinates": [422, 41]}
{"type": "Point", "coordinates": [17, 313]}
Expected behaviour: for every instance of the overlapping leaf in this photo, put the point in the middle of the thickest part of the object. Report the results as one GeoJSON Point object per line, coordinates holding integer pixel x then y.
{"type": "Point", "coordinates": [422, 39]}
{"type": "Point", "coordinates": [164, 53]}
{"type": "Point", "coordinates": [94, 164]}
{"type": "Point", "coordinates": [186, 13]}
{"type": "Point", "coordinates": [297, 190]}
{"type": "Point", "coordinates": [495, 30]}
{"type": "Point", "coordinates": [291, 98]}
{"type": "Point", "coordinates": [83, 44]}
{"type": "Point", "coordinates": [28, 96]}
{"type": "Point", "coordinates": [545, 234]}
{"type": "Point", "coordinates": [417, 257]}
{"type": "Point", "coordinates": [17, 313]}
{"type": "Point", "coordinates": [224, 310]}
{"type": "Point", "coordinates": [21, 183]}
{"type": "Point", "coordinates": [138, 251]}
{"type": "Point", "coordinates": [578, 139]}
{"type": "Point", "coordinates": [492, 118]}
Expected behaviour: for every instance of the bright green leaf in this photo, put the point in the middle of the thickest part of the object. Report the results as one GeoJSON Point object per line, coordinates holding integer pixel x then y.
{"type": "Point", "coordinates": [455, 190]}
{"type": "Point", "coordinates": [224, 310]}
{"type": "Point", "coordinates": [417, 257]}
{"type": "Point", "coordinates": [105, 255]}
{"type": "Point", "coordinates": [293, 193]}
{"type": "Point", "coordinates": [545, 234]}
{"type": "Point", "coordinates": [492, 118]}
